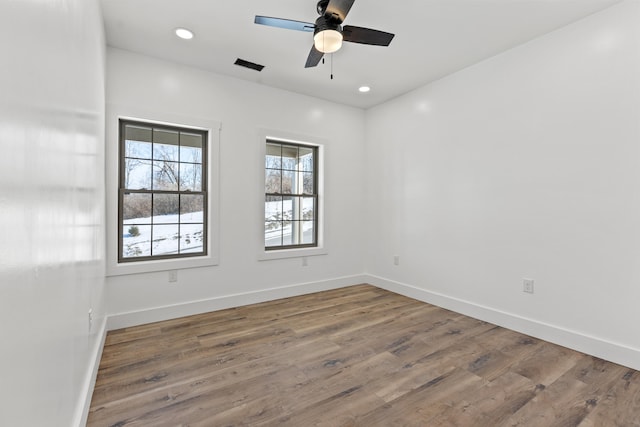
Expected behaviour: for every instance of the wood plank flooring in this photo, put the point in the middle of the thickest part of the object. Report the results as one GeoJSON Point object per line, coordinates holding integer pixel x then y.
{"type": "Point", "coordinates": [358, 356]}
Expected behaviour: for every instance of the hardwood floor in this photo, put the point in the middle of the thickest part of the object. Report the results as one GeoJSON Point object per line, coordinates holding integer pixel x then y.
{"type": "Point", "coordinates": [358, 356]}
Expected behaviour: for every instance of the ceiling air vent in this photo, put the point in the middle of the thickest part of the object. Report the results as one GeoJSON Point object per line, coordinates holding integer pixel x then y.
{"type": "Point", "coordinates": [247, 64]}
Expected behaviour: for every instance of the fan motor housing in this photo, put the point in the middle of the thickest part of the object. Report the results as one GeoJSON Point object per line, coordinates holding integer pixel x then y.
{"type": "Point", "coordinates": [322, 23]}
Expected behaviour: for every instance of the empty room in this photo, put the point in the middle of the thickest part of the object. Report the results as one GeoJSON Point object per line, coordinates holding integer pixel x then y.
{"type": "Point", "coordinates": [320, 213]}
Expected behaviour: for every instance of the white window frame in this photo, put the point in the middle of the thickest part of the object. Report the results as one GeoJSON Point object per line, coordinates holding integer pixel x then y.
{"type": "Point", "coordinates": [322, 246]}
{"type": "Point", "coordinates": [114, 114]}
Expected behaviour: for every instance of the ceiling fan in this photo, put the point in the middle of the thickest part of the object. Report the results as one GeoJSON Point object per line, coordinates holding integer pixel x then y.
{"type": "Point", "coordinates": [328, 32]}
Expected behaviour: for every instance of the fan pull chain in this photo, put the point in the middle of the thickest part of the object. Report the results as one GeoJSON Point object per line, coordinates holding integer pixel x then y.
{"type": "Point", "coordinates": [332, 66]}
{"type": "Point", "coordinates": [323, 46]}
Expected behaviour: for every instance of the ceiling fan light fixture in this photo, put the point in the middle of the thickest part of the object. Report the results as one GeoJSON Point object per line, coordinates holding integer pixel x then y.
{"type": "Point", "coordinates": [328, 41]}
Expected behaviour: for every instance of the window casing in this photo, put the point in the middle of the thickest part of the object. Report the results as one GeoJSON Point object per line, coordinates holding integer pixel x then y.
{"type": "Point", "coordinates": [291, 196]}
{"type": "Point", "coordinates": [162, 198]}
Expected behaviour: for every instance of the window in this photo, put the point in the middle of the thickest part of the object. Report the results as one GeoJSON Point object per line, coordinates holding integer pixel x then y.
{"type": "Point", "coordinates": [162, 200]}
{"type": "Point", "coordinates": [291, 196]}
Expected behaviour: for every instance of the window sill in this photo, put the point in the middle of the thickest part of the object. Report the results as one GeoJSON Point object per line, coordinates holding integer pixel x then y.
{"type": "Point", "coordinates": [160, 265]}
{"type": "Point", "coordinates": [291, 253]}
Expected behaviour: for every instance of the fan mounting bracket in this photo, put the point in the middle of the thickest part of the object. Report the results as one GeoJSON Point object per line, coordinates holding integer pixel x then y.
{"type": "Point", "coordinates": [321, 7]}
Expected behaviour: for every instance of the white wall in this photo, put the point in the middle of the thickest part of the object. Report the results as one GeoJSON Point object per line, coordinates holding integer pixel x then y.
{"type": "Point", "coordinates": [51, 208]}
{"type": "Point", "coordinates": [525, 165]}
{"type": "Point", "coordinates": [155, 86]}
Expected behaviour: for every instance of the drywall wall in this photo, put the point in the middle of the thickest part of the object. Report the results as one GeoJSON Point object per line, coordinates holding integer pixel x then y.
{"type": "Point", "coordinates": [51, 209]}
{"type": "Point", "coordinates": [159, 89]}
{"type": "Point", "coordinates": [525, 165]}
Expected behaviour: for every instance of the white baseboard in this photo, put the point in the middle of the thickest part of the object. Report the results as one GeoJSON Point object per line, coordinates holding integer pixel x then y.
{"type": "Point", "coordinates": [156, 314]}
{"type": "Point", "coordinates": [82, 409]}
{"type": "Point", "coordinates": [611, 351]}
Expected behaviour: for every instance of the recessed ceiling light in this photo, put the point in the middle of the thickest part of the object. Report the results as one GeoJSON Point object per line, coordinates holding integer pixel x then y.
{"type": "Point", "coordinates": [364, 89]}
{"type": "Point", "coordinates": [183, 33]}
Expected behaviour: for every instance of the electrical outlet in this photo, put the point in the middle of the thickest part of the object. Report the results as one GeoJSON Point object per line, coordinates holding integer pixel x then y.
{"type": "Point", "coordinates": [173, 276]}
{"type": "Point", "coordinates": [396, 260]}
{"type": "Point", "coordinates": [527, 286]}
{"type": "Point", "coordinates": [305, 261]}
{"type": "Point", "coordinates": [90, 319]}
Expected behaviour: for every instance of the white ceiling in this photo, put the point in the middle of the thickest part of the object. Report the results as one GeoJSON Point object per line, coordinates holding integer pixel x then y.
{"type": "Point", "coordinates": [433, 38]}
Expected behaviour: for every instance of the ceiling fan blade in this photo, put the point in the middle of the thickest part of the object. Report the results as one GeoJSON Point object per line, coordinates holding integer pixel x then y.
{"type": "Point", "coordinates": [314, 57]}
{"type": "Point", "coordinates": [366, 36]}
{"type": "Point", "coordinates": [285, 23]}
{"type": "Point", "coordinates": [339, 8]}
